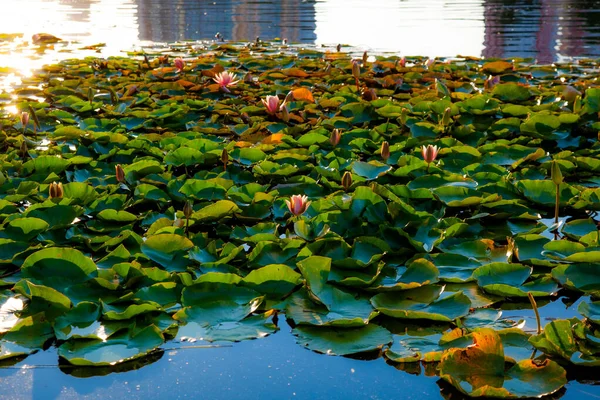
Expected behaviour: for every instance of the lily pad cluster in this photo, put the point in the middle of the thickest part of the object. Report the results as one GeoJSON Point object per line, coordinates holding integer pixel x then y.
{"type": "Point", "coordinates": [192, 239]}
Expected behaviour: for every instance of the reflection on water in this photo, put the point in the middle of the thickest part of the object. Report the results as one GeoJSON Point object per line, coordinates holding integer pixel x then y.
{"type": "Point", "coordinates": [167, 21]}
{"type": "Point", "coordinates": [546, 29]}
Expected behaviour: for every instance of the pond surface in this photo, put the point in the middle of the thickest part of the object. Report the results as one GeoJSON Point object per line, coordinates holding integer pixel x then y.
{"type": "Point", "coordinates": [272, 367]}
{"type": "Point", "coordinates": [548, 30]}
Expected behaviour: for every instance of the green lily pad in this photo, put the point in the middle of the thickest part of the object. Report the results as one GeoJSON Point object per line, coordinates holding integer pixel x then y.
{"type": "Point", "coordinates": [118, 348]}
{"type": "Point", "coordinates": [504, 279]}
{"type": "Point", "coordinates": [168, 250]}
{"type": "Point", "coordinates": [58, 267]}
{"type": "Point", "coordinates": [422, 303]}
{"type": "Point", "coordinates": [338, 341]}
{"type": "Point", "coordinates": [370, 170]}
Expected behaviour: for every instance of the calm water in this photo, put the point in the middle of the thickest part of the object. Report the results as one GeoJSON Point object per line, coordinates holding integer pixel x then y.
{"type": "Point", "coordinates": [274, 367]}
{"type": "Point", "coordinates": [548, 30]}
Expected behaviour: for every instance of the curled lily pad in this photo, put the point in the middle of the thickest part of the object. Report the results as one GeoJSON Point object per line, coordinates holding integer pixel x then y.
{"type": "Point", "coordinates": [478, 371]}
{"type": "Point", "coordinates": [568, 340]}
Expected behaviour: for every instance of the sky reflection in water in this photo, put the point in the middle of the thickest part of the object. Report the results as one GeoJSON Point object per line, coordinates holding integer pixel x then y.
{"type": "Point", "coordinates": [549, 30]}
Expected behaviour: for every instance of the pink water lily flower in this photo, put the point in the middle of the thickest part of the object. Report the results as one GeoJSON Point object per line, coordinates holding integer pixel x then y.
{"type": "Point", "coordinates": [272, 104]}
{"type": "Point", "coordinates": [179, 64]}
{"type": "Point", "coordinates": [225, 79]}
{"type": "Point", "coordinates": [429, 153]}
{"type": "Point", "coordinates": [298, 204]}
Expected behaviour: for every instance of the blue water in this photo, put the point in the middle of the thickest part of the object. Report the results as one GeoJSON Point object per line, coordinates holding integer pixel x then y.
{"type": "Point", "coordinates": [271, 368]}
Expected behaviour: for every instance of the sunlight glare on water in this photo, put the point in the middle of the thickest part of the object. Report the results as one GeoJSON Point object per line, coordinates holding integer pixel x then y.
{"type": "Point", "coordinates": [550, 30]}
{"type": "Point", "coordinates": [413, 27]}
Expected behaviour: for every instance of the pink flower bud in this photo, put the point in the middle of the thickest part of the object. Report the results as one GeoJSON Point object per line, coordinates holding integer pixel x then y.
{"type": "Point", "coordinates": [179, 63]}
{"type": "Point", "coordinates": [297, 204]}
{"type": "Point", "coordinates": [429, 153]}
{"type": "Point", "coordinates": [271, 104]}
{"type": "Point", "coordinates": [119, 173]}
{"type": "Point", "coordinates": [24, 118]}
{"type": "Point", "coordinates": [385, 150]}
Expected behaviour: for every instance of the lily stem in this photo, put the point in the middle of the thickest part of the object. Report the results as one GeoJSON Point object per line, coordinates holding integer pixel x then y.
{"type": "Point", "coordinates": [557, 202]}
{"type": "Point", "coordinates": [537, 313]}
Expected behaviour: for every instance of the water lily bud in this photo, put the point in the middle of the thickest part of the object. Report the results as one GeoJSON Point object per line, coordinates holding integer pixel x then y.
{"type": "Point", "coordinates": [404, 116]}
{"type": "Point", "coordinates": [369, 95]}
{"type": "Point", "coordinates": [24, 118]}
{"type": "Point", "coordinates": [289, 97]}
{"type": "Point", "coordinates": [120, 173]}
{"type": "Point", "coordinates": [297, 204]}
{"type": "Point", "coordinates": [355, 69]}
{"type": "Point", "coordinates": [285, 115]}
{"type": "Point", "coordinates": [402, 62]}
{"type": "Point", "coordinates": [429, 153]}
{"type": "Point", "coordinates": [338, 47]}
{"type": "Point", "coordinates": [447, 117]}
{"type": "Point", "coordinates": [491, 81]}
{"type": "Point", "coordinates": [347, 180]}
{"type": "Point", "coordinates": [429, 63]}
{"type": "Point", "coordinates": [555, 173]}
{"type": "Point", "coordinates": [335, 137]}
{"type": "Point", "coordinates": [90, 95]}
{"type": "Point", "coordinates": [179, 64]}
{"type": "Point", "coordinates": [248, 78]}
{"type": "Point", "coordinates": [131, 90]}
{"type": "Point", "coordinates": [23, 149]}
{"type": "Point", "coordinates": [224, 157]}
{"type": "Point", "coordinates": [365, 58]}
{"type": "Point", "coordinates": [188, 210]}
{"type": "Point", "coordinates": [569, 93]}
{"type": "Point", "coordinates": [385, 150]}
{"type": "Point", "coordinates": [178, 223]}
{"type": "Point", "coordinates": [577, 105]}
{"type": "Point", "coordinates": [271, 104]}
{"type": "Point", "coordinates": [163, 59]}
{"type": "Point", "coordinates": [55, 190]}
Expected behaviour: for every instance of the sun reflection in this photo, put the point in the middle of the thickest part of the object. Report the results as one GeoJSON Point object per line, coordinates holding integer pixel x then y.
{"type": "Point", "coordinates": [8, 310]}
{"type": "Point", "coordinates": [11, 109]}
{"type": "Point", "coordinates": [81, 24]}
